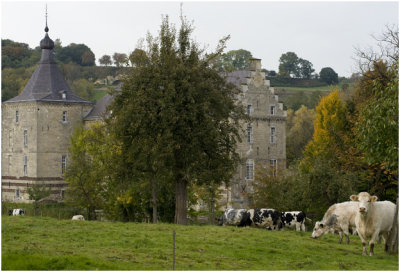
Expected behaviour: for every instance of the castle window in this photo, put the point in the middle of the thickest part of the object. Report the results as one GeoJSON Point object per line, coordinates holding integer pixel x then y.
{"type": "Point", "coordinates": [16, 116]}
{"type": "Point", "coordinates": [249, 169]}
{"type": "Point", "coordinates": [25, 137]}
{"type": "Point", "coordinates": [272, 110]}
{"type": "Point", "coordinates": [63, 164]}
{"type": "Point", "coordinates": [64, 116]}
{"type": "Point", "coordinates": [249, 109]}
{"type": "Point", "coordinates": [25, 165]}
{"type": "Point", "coordinates": [17, 195]}
{"type": "Point", "coordinates": [62, 194]}
{"type": "Point", "coordinates": [249, 135]}
{"type": "Point", "coordinates": [272, 135]}
{"type": "Point", "coordinates": [273, 166]}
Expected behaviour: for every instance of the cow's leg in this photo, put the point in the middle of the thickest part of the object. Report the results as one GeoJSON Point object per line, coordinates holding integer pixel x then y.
{"type": "Point", "coordinates": [374, 237]}
{"type": "Point", "coordinates": [297, 226]}
{"type": "Point", "coordinates": [340, 236]}
{"type": "Point", "coordinates": [386, 237]}
{"type": "Point", "coordinates": [303, 227]}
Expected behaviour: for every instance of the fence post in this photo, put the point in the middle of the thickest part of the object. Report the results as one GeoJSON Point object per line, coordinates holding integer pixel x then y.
{"type": "Point", "coordinates": [173, 251]}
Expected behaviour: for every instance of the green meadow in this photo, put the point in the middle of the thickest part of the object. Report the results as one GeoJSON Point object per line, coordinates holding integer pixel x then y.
{"type": "Point", "coordinates": [40, 243]}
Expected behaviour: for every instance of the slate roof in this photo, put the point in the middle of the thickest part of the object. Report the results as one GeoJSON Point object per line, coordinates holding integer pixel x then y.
{"type": "Point", "coordinates": [100, 108]}
{"type": "Point", "coordinates": [47, 83]}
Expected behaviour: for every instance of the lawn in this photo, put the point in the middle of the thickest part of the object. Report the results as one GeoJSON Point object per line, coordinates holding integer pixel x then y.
{"type": "Point", "coordinates": [40, 243]}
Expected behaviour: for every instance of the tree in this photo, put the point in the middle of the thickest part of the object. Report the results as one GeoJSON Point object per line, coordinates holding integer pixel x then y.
{"type": "Point", "coordinates": [105, 60]}
{"type": "Point", "coordinates": [83, 88]}
{"type": "Point", "coordinates": [288, 64]}
{"type": "Point", "coordinates": [178, 114]}
{"type": "Point", "coordinates": [305, 68]}
{"type": "Point", "coordinates": [299, 129]}
{"type": "Point", "coordinates": [328, 75]}
{"type": "Point", "coordinates": [77, 53]}
{"type": "Point", "coordinates": [234, 60]}
{"type": "Point", "coordinates": [86, 175]}
{"type": "Point", "coordinates": [120, 59]}
{"type": "Point", "coordinates": [38, 191]}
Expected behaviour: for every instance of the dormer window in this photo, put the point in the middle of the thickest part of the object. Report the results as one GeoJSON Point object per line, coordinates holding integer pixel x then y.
{"type": "Point", "coordinates": [64, 96]}
{"type": "Point", "coordinates": [64, 116]}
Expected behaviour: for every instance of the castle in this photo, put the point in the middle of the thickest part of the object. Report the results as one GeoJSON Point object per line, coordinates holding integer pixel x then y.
{"type": "Point", "coordinates": [38, 123]}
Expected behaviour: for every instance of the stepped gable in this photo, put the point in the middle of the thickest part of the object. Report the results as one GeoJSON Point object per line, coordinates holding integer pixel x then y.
{"type": "Point", "coordinates": [237, 77]}
{"type": "Point", "coordinates": [47, 83]}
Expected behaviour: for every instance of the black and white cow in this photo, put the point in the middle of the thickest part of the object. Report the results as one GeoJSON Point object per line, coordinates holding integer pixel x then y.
{"type": "Point", "coordinates": [236, 217]}
{"type": "Point", "coordinates": [16, 212]}
{"type": "Point", "coordinates": [294, 219]}
{"type": "Point", "coordinates": [266, 218]}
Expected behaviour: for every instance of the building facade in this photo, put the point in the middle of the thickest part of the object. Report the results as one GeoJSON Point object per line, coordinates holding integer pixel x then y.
{"type": "Point", "coordinates": [36, 130]}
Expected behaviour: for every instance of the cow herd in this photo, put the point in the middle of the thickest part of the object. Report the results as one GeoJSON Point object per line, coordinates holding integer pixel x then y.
{"type": "Point", "coordinates": [269, 219]}
{"type": "Point", "coordinates": [363, 216]}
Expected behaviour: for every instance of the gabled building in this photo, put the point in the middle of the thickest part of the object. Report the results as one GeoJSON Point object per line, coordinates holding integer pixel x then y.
{"type": "Point", "coordinates": [36, 129]}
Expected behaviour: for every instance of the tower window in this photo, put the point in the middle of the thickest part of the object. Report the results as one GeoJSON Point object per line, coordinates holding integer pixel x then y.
{"type": "Point", "coordinates": [25, 137]}
{"type": "Point", "coordinates": [249, 135]}
{"type": "Point", "coordinates": [17, 195]}
{"type": "Point", "coordinates": [63, 164]}
{"type": "Point", "coordinates": [272, 135]}
{"type": "Point", "coordinates": [250, 169]}
{"type": "Point", "coordinates": [272, 110]}
{"type": "Point", "coordinates": [64, 116]}
{"type": "Point", "coordinates": [16, 116]}
{"type": "Point", "coordinates": [249, 109]}
{"type": "Point", "coordinates": [25, 165]}
{"type": "Point", "coordinates": [273, 166]}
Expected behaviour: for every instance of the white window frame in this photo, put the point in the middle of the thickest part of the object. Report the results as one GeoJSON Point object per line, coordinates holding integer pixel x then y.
{"type": "Point", "coordinates": [25, 137]}
{"type": "Point", "coordinates": [25, 165]}
{"type": "Point", "coordinates": [64, 116]}
{"type": "Point", "coordinates": [272, 138]}
{"type": "Point", "coordinates": [249, 134]}
{"type": "Point", "coordinates": [63, 164]}
{"type": "Point", "coordinates": [249, 173]}
{"type": "Point", "coordinates": [272, 109]}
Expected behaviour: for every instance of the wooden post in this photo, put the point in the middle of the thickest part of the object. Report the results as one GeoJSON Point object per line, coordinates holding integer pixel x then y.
{"type": "Point", "coordinates": [393, 240]}
{"type": "Point", "coordinates": [173, 250]}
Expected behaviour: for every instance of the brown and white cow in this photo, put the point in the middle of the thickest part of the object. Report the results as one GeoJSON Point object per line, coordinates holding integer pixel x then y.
{"type": "Point", "coordinates": [340, 217]}
{"type": "Point", "coordinates": [373, 218]}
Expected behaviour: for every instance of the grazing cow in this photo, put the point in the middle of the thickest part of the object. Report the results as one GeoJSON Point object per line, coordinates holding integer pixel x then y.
{"type": "Point", "coordinates": [265, 218]}
{"type": "Point", "coordinates": [78, 217]}
{"type": "Point", "coordinates": [373, 218]}
{"type": "Point", "coordinates": [294, 219]}
{"type": "Point", "coordinates": [340, 217]}
{"type": "Point", "coordinates": [16, 212]}
{"type": "Point", "coordinates": [236, 217]}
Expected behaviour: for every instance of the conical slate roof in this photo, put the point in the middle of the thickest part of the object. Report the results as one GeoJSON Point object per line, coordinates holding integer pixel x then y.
{"type": "Point", "coordinates": [47, 84]}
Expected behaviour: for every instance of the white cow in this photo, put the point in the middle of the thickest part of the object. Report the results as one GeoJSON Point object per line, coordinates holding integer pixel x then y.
{"type": "Point", "coordinates": [374, 218]}
{"type": "Point", "coordinates": [18, 212]}
{"type": "Point", "coordinates": [78, 217]}
{"type": "Point", "coordinates": [340, 217]}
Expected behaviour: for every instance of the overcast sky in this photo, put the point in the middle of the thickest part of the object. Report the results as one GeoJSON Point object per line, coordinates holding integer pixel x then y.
{"type": "Point", "coordinates": [325, 33]}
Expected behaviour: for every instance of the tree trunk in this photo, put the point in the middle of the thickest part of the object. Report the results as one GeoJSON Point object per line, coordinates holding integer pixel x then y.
{"type": "Point", "coordinates": [393, 240]}
{"type": "Point", "coordinates": [211, 207]}
{"type": "Point", "coordinates": [181, 201]}
{"type": "Point", "coordinates": [154, 199]}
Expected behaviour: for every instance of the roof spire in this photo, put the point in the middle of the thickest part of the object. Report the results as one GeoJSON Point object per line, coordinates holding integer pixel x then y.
{"type": "Point", "coordinates": [46, 28]}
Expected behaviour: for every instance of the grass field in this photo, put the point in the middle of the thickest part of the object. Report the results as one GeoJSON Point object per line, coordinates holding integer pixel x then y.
{"type": "Point", "coordinates": [39, 243]}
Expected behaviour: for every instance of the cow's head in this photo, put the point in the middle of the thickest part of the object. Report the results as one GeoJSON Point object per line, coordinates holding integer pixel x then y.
{"type": "Point", "coordinates": [319, 229]}
{"type": "Point", "coordinates": [364, 200]}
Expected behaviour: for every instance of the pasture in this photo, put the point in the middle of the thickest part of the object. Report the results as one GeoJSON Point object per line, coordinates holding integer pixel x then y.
{"type": "Point", "coordinates": [40, 243]}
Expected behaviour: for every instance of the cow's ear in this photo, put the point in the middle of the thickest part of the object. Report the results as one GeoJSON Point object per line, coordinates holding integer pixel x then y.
{"type": "Point", "coordinates": [374, 198]}
{"type": "Point", "coordinates": [354, 197]}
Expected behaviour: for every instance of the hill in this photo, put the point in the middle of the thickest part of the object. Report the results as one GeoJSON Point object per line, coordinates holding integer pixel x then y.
{"type": "Point", "coordinates": [39, 243]}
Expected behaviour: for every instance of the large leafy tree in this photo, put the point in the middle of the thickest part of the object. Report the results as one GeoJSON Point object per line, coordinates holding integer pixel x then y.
{"type": "Point", "coordinates": [328, 75]}
{"type": "Point", "coordinates": [176, 115]}
{"type": "Point", "coordinates": [234, 60]}
{"type": "Point", "coordinates": [288, 64]}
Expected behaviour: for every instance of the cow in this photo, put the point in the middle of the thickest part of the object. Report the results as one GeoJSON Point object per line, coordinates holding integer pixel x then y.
{"type": "Point", "coordinates": [339, 217]}
{"type": "Point", "coordinates": [236, 217]}
{"type": "Point", "coordinates": [373, 218]}
{"type": "Point", "coordinates": [265, 218]}
{"type": "Point", "coordinates": [16, 212]}
{"type": "Point", "coordinates": [294, 219]}
{"type": "Point", "coordinates": [78, 217]}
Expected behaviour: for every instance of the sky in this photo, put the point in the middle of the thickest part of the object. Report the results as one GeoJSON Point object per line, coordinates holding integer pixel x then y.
{"type": "Point", "coordinates": [324, 33]}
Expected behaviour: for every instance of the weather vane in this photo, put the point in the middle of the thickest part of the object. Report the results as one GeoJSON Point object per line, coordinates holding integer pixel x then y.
{"type": "Point", "coordinates": [46, 29]}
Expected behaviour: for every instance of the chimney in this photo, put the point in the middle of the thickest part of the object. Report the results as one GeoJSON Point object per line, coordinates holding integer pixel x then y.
{"type": "Point", "coordinates": [255, 64]}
